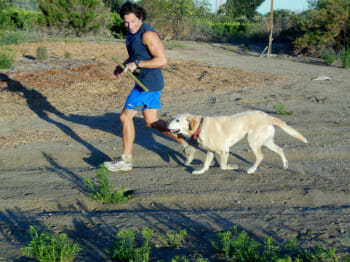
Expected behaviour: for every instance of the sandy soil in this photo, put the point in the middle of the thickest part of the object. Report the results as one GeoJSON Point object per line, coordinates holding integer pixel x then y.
{"type": "Point", "coordinates": [59, 119]}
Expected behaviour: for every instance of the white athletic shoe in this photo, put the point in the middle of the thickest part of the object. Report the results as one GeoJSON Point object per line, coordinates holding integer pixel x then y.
{"type": "Point", "coordinates": [121, 164]}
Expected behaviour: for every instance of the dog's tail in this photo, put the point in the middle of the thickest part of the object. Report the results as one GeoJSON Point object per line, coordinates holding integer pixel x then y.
{"type": "Point", "coordinates": [288, 129]}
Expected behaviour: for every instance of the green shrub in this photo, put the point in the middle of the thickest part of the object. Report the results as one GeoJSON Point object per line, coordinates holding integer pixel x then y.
{"type": "Point", "coordinates": [329, 57]}
{"type": "Point", "coordinates": [125, 248]}
{"type": "Point", "coordinates": [326, 27]}
{"type": "Point", "coordinates": [24, 19]}
{"type": "Point", "coordinates": [226, 29]}
{"type": "Point", "coordinates": [67, 55]}
{"type": "Point", "coordinates": [79, 16]}
{"type": "Point", "coordinates": [101, 189]}
{"type": "Point", "coordinates": [117, 26]}
{"type": "Point", "coordinates": [46, 248]}
{"type": "Point", "coordinates": [280, 110]}
{"type": "Point", "coordinates": [173, 240]}
{"type": "Point", "coordinates": [6, 61]}
{"type": "Point", "coordinates": [236, 246]}
{"type": "Point", "coordinates": [41, 53]}
{"type": "Point", "coordinates": [346, 56]}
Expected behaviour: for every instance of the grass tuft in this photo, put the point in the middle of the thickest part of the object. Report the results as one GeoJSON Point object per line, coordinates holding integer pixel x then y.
{"type": "Point", "coordinates": [173, 239]}
{"type": "Point", "coordinates": [41, 53]}
{"type": "Point", "coordinates": [280, 110]}
{"type": "Point", "coordinates": [102, 190]}
{"type": "Point", "coordinates": [46, 248]}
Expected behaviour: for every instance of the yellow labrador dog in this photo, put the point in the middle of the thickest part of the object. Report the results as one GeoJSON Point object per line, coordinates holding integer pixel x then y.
{"type": "Point", "coordinates": [218, 134]}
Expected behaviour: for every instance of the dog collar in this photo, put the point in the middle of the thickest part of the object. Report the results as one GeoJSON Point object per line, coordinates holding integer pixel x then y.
{"type": "Point", "coordinates": [194, 137]}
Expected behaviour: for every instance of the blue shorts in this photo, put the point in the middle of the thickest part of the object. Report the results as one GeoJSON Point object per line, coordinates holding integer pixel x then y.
{"type": "Point", "coordinates": [149, 100]}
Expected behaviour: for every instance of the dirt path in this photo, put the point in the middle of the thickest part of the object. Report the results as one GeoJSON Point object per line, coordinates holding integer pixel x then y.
{"type": "Point", "coordinates": [59, 121]}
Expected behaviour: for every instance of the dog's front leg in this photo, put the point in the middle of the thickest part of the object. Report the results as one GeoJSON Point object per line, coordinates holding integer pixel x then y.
{"type": "Point", "coordinates": [223, 161]}
{"type": "Point", "coordinates": [208, 160]}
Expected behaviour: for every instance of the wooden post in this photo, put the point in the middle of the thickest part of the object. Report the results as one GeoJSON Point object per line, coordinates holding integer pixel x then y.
{"type": "Point", "coordinates": [271, 29]}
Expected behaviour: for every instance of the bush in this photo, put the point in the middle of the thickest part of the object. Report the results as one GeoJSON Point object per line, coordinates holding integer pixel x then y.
{"type": "Point", "coordinates": [346, 57]}
{"type": "Point", "coordinates": [23, 19]}
{"type": "Point", "coordinates": [80, 17]}
{"type": "Point", "coordinates": [326, 28]}
{"type": "Point", "coordinates": [41, 53]}
{"type": "Point", "coordinates": [46, 248]}
{"type": "Point", "coordinates": [102, 190]}
{"type": "Point", "coordinates": [227, 29]}
{"type": "Point", "coordinates": [117, 26]}
{"type": "Point", "coordinates": [6, 61]}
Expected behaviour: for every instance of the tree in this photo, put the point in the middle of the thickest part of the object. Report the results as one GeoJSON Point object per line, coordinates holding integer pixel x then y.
{"type": "Point", "coordinates": [327, 27]}
{"type": "Point", "coordinates": [236, 8]}
{"type": "Point", "coordinates": [114, 5]}
{"type": "Point", "coordinates": [75, 15]}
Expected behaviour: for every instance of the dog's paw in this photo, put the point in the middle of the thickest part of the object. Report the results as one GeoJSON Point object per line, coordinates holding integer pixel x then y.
{"type": "Point", "coordinates": [231, 167]}
{"type": "Point", "coordinates": [198, 172]}
{"type": "Point", "coordinates": [251, 171]}
{"type": "Point", "coordinates": [285, 165]}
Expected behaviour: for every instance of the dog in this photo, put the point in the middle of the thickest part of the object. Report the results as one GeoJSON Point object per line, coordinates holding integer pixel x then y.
{"type": "Point", "coordinates": [217, 134]}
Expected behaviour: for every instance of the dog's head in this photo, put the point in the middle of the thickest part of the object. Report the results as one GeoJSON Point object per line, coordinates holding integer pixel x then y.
{"type": "Point", "coordinates": [184, 124]}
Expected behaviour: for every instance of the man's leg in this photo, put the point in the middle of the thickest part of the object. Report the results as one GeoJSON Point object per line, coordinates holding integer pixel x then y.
{"type": "Point", "coordinates": [125, 162]}
{"type": "Point", "coordinates": [127, 120]}
{"type": "Point", "coordinates": [152, 120]}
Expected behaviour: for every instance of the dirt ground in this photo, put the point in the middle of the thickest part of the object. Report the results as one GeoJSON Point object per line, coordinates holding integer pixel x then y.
{"type": "Point", "coordinates": [59, 120]}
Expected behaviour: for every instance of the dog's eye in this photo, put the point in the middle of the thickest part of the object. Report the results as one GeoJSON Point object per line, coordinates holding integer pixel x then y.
{"type": "Point", "coordinates": [177, 120]}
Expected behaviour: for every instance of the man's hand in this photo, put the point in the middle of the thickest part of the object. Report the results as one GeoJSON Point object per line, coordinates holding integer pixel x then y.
{"type": "Point", "coordinates": [117, 71]}
{"type": "Point", "coordinates": [131, 67]}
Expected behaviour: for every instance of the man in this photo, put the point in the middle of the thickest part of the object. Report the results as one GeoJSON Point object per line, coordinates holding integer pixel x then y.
{"type": "Point", "coordinates": [147, 55]}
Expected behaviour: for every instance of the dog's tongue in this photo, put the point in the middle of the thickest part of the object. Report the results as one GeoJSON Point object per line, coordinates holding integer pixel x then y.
{"type": "Point", "coordinates": [174, 131]}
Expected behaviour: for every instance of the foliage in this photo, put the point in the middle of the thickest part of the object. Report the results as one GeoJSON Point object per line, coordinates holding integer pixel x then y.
{"type": "Point", "coordinates": [170, 18]}
{"type": "Point", "coordinates": [23, 19]}
{"type": "Point", "coordinates": [125, 247]}
{"type": "Point", "coordinates": [237, 8]}
{"type": "Point", "coordinates": [102, 191]}
{"type": "Point", "coordinates": [17, 37]}
{"type": "Point", "coordinates": [79, 16]}
{"type": "Point", "coordinates": [236, 246]}
{"type": "Point", "coordinates": [329, 57]}
{"type": "Point", "coordinates": [327, 27]}
{"type": "Point", "coordinates": [117, 26]}
{"type": "Point", "coordinates": [226, 29]}
{"type": "Point", "coordinates": [173, 240]}
{"type": "Point", "coordinates": [114, 5]}
{"type": "Point", "coordinates": [280, 110]}
{"type": "Point", "coordinates": [346, 57]}
{"type": "Point", "coordinates": [6, 61]}
{"type": "Point", "coordinates": [41, 53]}
{"type": "Point", "coordinates": [46, 248]}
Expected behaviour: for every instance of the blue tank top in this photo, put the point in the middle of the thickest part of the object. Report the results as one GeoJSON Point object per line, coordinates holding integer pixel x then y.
{"type": "Point", "coordinates": [152, 78]}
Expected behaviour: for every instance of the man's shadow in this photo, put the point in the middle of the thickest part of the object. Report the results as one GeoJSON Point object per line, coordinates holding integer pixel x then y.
{"type": "Point", "coordinates": [39, 104]}
{"type": "Point", "coordinates": [41, 107]}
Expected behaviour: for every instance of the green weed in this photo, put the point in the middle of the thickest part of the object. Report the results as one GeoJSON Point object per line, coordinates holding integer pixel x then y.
{"type": "Point", "coordinates": [67, 55]}
{"type": "Point", "coordinates": [329, 57]}
{"type": "Point", "coordinates": [173, 240]}
{"type": "Point", "coordinates": [125, 247]}
{"type": "Point", "coordinates": [176, 45]}
{"type": "Point", "coordinates": [6, 61]}
{"type": "Point", "coordinates": [41, 53]}
{"type": "Point", "coordinates": [101, 189]}
{"type": "Point", "coordinates": [346, 57]}
{"type": "Point", "coordinates": [236, 246]}
{"type": "Point", "coordinates": [46, 248]}
{"type": "Point", "coordinates": [280, 110]}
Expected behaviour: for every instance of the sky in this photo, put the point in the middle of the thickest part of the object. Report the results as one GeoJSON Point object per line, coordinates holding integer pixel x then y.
{"type": "Point", "coordinates": [293, 5]}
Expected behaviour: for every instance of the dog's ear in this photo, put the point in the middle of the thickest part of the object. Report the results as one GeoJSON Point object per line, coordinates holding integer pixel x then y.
{"type": "Point", "coordinates": [192, 123]}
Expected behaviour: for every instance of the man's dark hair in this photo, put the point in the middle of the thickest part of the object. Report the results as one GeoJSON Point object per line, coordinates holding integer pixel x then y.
{"type": "Point", "coordinates": [129, 8]}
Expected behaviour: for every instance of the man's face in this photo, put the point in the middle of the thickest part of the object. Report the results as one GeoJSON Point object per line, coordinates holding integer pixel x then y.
{"type": "Point", "coordinates": [132, 23]}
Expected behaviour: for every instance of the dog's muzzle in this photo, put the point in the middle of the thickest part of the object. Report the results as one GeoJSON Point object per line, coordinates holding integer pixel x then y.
{"type": "Point", "coordinates": [174, 131]}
